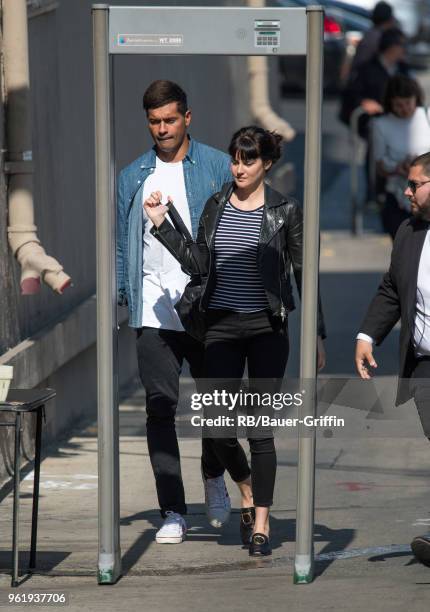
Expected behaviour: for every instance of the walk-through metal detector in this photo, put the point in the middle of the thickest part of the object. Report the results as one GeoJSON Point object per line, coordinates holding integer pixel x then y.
{"type": "Point", "coordinates": [203, 31]}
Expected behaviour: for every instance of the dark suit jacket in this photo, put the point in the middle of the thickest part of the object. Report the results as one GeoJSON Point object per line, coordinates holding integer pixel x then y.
{"type": "Point", "coordinates": [396, 299]}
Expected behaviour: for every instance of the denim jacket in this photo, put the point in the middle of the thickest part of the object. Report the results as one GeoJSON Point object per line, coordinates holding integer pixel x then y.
{"type": "Point", "coordinates": [205, 171]}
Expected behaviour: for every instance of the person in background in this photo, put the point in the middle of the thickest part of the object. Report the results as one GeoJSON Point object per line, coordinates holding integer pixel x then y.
{"type": "Point", "coordinates": [249, 237]}
{"type": "Point", "coordinates": [366, 85]}
{"type": "Point", "coordinates": [382, 19]}
{"type": "Point", "coordinates": [398, 136]}
{"type": "Point", "coordinates": [366, 88]}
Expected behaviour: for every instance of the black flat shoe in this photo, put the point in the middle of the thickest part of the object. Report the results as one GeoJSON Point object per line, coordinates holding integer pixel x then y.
{"type": "Point", "coordinates": [421, 549]}
{"type": "Point", "coordinates": [260, 546]}
{"type": "Point", "coordinates": [247, 520]}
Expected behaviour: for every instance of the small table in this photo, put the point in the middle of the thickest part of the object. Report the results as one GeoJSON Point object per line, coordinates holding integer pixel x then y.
{"type": "Point", "coordinates": [20, 401]}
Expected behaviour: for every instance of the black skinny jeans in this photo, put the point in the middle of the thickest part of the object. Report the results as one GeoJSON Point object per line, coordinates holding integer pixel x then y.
{"type": "Point", "coordinates": [232, 339]}
{"type": "Point", "coordinates": [160, 355]}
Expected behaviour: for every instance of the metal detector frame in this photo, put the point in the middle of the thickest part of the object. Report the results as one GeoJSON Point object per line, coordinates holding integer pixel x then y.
{"type": "Point", "coordinates": [169, 31]}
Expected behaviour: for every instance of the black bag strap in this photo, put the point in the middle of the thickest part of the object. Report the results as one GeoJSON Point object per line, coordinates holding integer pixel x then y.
{"type": "Point", "coordinates": [180, 227]}
{"type": "Point", "coordinates": [178, 223]}
{"type": "Point", "coordinates": [176, 218]}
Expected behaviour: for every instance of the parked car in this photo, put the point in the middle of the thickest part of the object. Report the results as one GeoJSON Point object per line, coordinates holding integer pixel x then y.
{"type": "Point", "coordinates": [413, 17]}
{"type": "Point", "coordinates": [344, 25]}
{"type": "Point", "coordinates": [407, 12]}
{"type": "Point", "coordinates": [340, 26]}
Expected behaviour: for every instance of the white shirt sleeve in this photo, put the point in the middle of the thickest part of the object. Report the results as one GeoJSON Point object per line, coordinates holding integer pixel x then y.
{"type": "Point", "coordinates": [361, 336]}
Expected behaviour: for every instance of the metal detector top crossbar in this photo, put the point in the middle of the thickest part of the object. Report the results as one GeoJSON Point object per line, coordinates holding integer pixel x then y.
{"type": "Point", "coordinates": [207, 31]}
{"type": "Point", "coordinates": [199, 31]}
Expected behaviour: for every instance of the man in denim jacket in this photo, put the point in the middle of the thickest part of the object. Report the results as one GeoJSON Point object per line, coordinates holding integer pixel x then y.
{"type": "Point", "coordinates": [150, 282]}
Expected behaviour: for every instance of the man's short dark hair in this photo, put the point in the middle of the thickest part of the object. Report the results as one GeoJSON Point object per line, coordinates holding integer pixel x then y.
{"type": "Point", "coordinates": [391, 38]}
{"type": "Point", "coordinates": [382, 13]}
{"type": "Point", "coordinates": [424, 161]}
{"type": "Point", "coordinates": [160, 93]}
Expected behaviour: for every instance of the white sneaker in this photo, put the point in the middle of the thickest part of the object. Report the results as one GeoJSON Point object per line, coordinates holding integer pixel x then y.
{"type": "Point", "coordinates": [217, 501]}
{"type": "Point", "coordinates": [173, 530]}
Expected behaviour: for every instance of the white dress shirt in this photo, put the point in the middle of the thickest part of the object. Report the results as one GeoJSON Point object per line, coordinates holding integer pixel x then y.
{"type": "Point", "coordinates": [163, 280]}
{"type": "Point", "coordinates": [421, 336]}
{"type": "Point", "coordinates": [422, 308]}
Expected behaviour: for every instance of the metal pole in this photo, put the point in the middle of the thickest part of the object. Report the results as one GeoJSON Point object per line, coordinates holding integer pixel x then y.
{"type": "Point", "coordinates": [304, 558]}
{"type": "Point", "coordinates": [109, 559]}
{"type": "Point", "coordinates": [16, 483]}
{"type": "Point", "coordinates": [356, 210]}
{"type": "Point", "coordinates": [36, 486]}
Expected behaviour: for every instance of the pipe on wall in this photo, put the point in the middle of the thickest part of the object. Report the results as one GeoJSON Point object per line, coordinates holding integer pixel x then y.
{"type": "Point", "coordinates": [35, 264]}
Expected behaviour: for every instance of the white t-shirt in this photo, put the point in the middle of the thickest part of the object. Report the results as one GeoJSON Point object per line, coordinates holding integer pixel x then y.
{"type": "Point", "coordinates": [163, 280]}
{"type": "Point", "coordinates": [394, 139]}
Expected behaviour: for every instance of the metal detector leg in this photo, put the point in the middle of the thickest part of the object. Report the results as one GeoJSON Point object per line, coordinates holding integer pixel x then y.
{"type": "Point", "coordinates": [304, 559]}
{"type": "Point", "coordinates": [35, 511]}
{"type": "Point", "coordinates": [16, 481]}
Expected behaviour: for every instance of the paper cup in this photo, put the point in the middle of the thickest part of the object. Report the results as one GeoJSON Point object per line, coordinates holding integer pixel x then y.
{"type": "Point", "coordinates": [6, 375]}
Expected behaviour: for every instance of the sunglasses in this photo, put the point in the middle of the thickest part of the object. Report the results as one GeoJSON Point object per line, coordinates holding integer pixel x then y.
{"type": "Point", "coordinates": [414, 185]}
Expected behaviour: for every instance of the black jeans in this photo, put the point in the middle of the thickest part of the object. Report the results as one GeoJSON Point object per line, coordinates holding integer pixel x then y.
{"type": "Point", "coordinates": [420, 386]}
{"type": "Point", "coordinates": [259, 339]}
{"type": "Point", "coordinates": [160, 355]}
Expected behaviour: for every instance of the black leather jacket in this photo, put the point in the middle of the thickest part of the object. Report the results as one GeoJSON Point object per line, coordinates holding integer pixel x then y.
{"type": "Point", "coordinates": [280, 247]}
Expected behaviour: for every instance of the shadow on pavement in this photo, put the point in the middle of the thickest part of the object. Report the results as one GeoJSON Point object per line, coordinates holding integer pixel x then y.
{"type": "Point", "coordinates": [282, 531]}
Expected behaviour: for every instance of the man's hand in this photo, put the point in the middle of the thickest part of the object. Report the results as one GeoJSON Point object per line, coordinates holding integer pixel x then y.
{"type": "Point", "coordinates": [155, 210]}
{"type": "Point", "coordinates": [320, 353]}
{"type": "Point", "coordinates": [364, 358]}
{"type": "Point", "coordinates": [371, 107]}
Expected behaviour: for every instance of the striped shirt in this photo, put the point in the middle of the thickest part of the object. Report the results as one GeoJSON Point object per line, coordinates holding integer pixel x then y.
{"type": "Point", "coordinates": [238, 284]}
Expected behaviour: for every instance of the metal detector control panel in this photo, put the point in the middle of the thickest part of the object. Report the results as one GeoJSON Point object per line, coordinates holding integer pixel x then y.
{"type": "Point", "coordinates": [267, 33]}
{"type": "Point", "coordinates": [207, 30]}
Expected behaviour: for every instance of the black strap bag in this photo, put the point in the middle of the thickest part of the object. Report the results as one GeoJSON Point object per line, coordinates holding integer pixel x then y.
{"type": "Point", "coordinates": [188, 307]}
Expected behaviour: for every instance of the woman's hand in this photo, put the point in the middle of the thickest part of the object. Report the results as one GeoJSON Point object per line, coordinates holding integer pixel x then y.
{"type": "Point", "coordinates": [320, 353]}
{"type": "Point", "coordinates": [155, 210]}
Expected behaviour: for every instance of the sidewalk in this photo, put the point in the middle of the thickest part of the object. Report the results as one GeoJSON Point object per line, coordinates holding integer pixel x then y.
{"type": "Point", "coordinates": [372, 497]}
